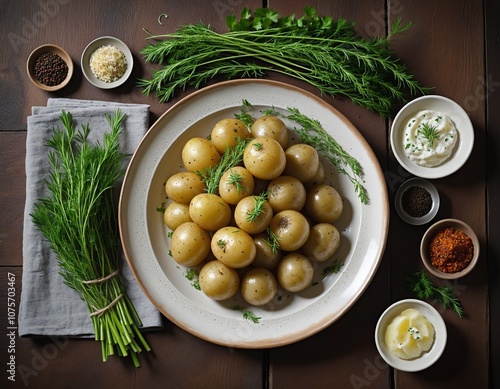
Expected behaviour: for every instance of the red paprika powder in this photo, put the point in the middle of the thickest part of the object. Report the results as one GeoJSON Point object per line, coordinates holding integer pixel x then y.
{"type": "Point", "coordinates": [451, 250]}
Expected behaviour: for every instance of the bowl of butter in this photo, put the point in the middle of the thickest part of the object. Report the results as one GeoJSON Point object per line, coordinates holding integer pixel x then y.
{"type": "Point", "coordinates": [432, 136]}
{"type": "Point", "coordinates": [410, 335]}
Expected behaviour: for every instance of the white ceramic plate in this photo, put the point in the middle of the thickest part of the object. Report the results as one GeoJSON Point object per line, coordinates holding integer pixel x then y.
{"type": "Point", "coordinates": [93, 46]}
{"type": "Point", "coordinates": [426, 359]}
{"type": "Point", "coordinates": [462, 149]}
{"type": "Point", "coordinates": [288, 318]}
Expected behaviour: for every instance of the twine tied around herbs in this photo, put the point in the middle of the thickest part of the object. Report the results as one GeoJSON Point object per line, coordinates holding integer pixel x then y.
{"type": "Point", "coordinates": [99, 312]}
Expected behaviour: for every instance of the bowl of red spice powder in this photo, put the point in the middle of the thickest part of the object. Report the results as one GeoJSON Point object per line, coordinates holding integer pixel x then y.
{"type": "Point", "coordinates": [449, 249]}
{"type": "Point", "coordinates": [49, 67]}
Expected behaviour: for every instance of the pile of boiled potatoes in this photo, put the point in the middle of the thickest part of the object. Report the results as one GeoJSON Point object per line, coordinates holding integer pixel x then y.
{"type": "Point", "coordinates": [272, 216]}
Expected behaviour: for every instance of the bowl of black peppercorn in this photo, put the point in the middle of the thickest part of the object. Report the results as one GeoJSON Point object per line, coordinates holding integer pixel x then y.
{"type": "Point", "coordinates": [417, 201]}
{"type": "Point", "coordinates": [49, 67]}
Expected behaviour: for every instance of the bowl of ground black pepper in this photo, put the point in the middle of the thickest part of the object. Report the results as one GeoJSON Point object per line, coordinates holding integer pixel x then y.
{"type": "Point", "coordinates": [417, 201]}
{"type": "Point", "coordinates": [49, 67]}
{"type": "Point", "coordinates": [449, 249]}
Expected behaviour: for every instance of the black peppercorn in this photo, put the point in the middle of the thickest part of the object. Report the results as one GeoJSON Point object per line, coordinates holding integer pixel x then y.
{"type": "Point", "coordinates": [416, 201]}
{"type": "Point", "coordinates": [50, 69]}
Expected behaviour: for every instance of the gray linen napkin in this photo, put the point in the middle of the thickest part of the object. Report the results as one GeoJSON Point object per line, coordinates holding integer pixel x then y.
{"type": "Point", "coordinates": [48, 307]}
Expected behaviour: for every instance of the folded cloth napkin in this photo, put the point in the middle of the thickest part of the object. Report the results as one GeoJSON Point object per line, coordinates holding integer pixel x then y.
{"type": "Point", "coordinates": [48, 307]}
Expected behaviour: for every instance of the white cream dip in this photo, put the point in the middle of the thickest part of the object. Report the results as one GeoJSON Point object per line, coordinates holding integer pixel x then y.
{"type": "Point", "coordinates": [429, 138]}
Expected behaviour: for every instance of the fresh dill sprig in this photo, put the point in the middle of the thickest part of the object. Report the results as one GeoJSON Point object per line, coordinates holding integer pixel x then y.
{"type": "Point", "coordinates": [323, 52]}
{"type": "Point", "coordinates": [247, 314]}
{"type": "Point", "coordinates": [423, 288]}
{"type": "Point", "coordinates": [333, 268]}
{"type": "Point", "coordinates": [257, 210]}
{"type": "Point", "coordinates": [232, 156]}
{"type": "Point", "coordinates": [79, 220]}
{"type": "Point", "coordinates": [313, 133]}
{"type": "Point", "coordinates": [429, 132]}
{"type": "Point", "coordinates": [244, 116]}
{"type": "Point", "coordinates": [272, 240]}
{"type": "Point", "coordinates": [234, 179]}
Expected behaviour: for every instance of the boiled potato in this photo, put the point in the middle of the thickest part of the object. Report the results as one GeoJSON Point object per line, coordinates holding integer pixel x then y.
{"type": "Point", "coordinates": [291, 228]}
{"type": "Point", "coordinates": [295, 272]}
{"type": "Point", "coordinates": [323, 242]}
{"type": "Point", "coordinates": [324, 204]}
{"type": "Point", "coordinates": [259, 286]}
{"type": "Point", "coordinates": [233, 247]}
{"type": "Point", "coordinates": [272, 127]}
{"type": "Point", "coordinates": [209, 211]}
{"type": "Point", "coordinates": [190, 244]}
{"type": "Point", "coordinates": [198, 154]}
{"type": "Point", "coordinates": [264, 158]}
{"type": "Point", "coordinates": [286, 192]}
{"type": "Point", "coordinates": [235, 184]}
{"type": "Point", "coordinates": [227, 132]}
{"type": "Point", "coordinates": [302, 162]}
{"type": "Point", "coordinates": [318, 179]}
{"type": "Point", "coordinates": [182, 187]}
{"type": "Point", "coordinates": [176, 214]}
{"type": "Point", "coordinates": [218, 281]}
{"type": "Point", "coordinates": [253, 214]}
{"type": "Point", "coordinates": [266, 256]}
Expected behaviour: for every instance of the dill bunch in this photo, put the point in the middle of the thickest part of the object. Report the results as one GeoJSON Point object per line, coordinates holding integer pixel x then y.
{"type": "Point", "coordinates": [79, 220]}
{"type": "Point", "coordinates": [321, 51]}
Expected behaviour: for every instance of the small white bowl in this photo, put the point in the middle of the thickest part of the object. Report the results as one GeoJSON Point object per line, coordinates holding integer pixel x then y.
{"type": "Point", "coordinates": [398, 203]}
{"type": "Point", "coordinates": [462, 122]}
{"type": "Point", "coordinates": [426, 359]}
{"type": "Point", "coordinates": [430, 233]}
{"type": "Point", "coordinates": [93, 46]}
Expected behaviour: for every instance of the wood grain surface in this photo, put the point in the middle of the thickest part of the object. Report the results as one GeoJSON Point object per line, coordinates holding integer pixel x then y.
{"type": "Point", "coordinates": [453, 46]}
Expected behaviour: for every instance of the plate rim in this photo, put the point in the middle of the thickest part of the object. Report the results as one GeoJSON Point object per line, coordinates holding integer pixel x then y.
{"type": "Point", "coordinates": [317, 327]}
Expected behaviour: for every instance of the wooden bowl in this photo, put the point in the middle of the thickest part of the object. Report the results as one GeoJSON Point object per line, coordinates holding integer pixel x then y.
{"type": "Point", "coordinates": [35, 54]}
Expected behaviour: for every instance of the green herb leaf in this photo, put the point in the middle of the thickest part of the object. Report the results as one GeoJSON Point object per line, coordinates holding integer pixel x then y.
{"type": "Point", "coordinates": [429, 132]}
{"type": "Point", "coordinates": [328, 54]}
{"type": "Point", "coordinates": [423, 288]}
{"type": "Point", "coordinates": [79, 220]}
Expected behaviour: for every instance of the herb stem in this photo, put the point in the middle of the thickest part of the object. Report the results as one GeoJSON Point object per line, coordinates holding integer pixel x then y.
{"type": "Point", "coordinates": [79, 220]}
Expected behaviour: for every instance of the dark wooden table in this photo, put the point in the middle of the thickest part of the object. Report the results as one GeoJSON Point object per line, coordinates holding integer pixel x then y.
{"type": "Point", "coordinates": [453, 47]}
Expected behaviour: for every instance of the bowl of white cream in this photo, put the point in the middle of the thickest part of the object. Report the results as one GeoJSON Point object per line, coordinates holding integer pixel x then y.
{"type": "Point", "coordinates": [410, 335]}
{"type": "Point", "coordinates": [432, 136]}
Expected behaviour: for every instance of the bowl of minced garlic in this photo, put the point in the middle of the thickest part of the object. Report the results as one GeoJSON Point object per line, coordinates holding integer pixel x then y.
{"type": "Point", "coordinates": [107, 62]}
{"type": "Point", "coordinates": [410, 335]}
{"type": "Point", "coordinates": [449, 249]}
